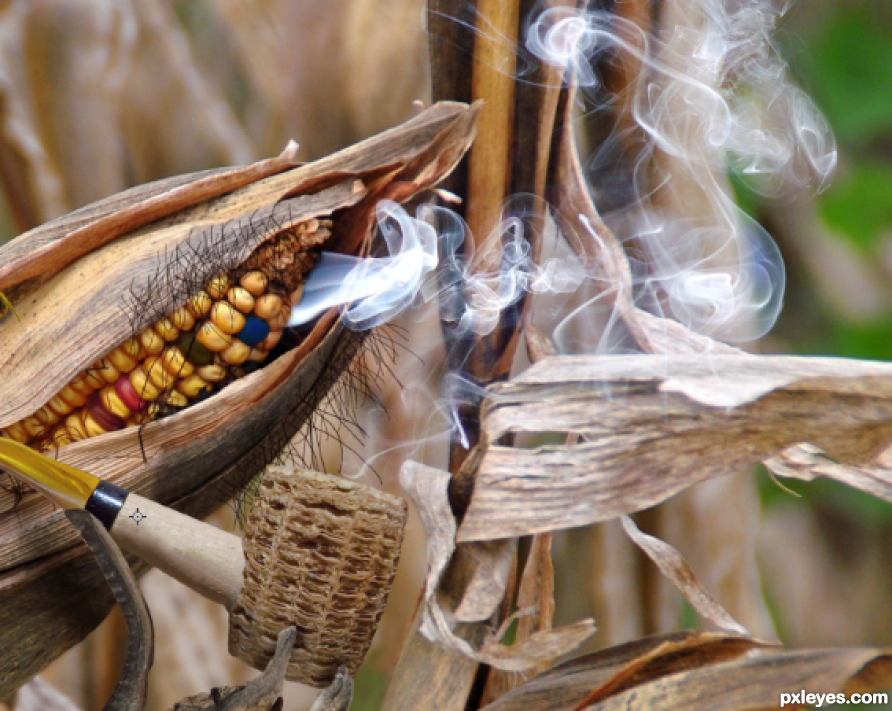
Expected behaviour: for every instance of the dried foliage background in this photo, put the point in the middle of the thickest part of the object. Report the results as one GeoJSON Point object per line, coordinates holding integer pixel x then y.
{"type": "Point", "coordinates": [100, 96]}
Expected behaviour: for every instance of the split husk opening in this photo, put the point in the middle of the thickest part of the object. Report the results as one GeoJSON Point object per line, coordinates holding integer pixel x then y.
{"type": "Point", "coordinates": [199, 457]}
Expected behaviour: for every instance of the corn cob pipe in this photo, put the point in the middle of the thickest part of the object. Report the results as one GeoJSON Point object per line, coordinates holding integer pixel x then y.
{"type": "Point", "coordinates": [319, 553]}
{"type": "Point", "coordinates": [234, 319]}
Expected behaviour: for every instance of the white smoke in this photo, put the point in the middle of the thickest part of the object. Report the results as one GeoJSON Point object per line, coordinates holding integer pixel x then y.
{"type": "Point", "coordinates": [427, 263]}
{"type": "Point", "coordinates": [712, 94]}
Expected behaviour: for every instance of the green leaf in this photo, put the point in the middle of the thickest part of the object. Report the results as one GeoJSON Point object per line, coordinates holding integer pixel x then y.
{"type": "Point", "coordinates": [859, 205]}
{"type": "Point", "coordinates": [849, 70]}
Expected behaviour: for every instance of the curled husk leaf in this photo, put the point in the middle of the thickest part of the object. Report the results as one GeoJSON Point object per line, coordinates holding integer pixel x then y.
{"type": "Point", "coordinates": [69, 281]}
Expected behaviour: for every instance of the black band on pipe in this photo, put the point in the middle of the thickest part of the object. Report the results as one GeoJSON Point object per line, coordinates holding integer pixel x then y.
{"type": "Point", "coordinates": [105, 502]}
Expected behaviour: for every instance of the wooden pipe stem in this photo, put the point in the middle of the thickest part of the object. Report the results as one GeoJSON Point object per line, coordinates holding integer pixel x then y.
{"type": "Point", "coordinates": [208, 560]}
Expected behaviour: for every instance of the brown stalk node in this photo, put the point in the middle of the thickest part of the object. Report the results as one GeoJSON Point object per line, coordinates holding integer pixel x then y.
{"type": "Point", "coordinates": [337, 543]}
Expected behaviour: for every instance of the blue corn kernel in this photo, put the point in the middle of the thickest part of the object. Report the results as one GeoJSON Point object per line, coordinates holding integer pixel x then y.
{"type": "Point", "coordinates": [254, 332]}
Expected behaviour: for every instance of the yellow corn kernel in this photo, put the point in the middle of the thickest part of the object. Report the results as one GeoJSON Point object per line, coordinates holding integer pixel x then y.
{"type": "Point", "coordinates": [93, 378]}
{"type": "Point", "coordinates": [227, 318]}
{"type": "Point", "coordinates": [257, 355]}
{"type": "Point", "coordinates": [175, 362]}
{"type": "Point", "coordinates": [17, 432]}
{"type": "Point", "coordinates": [200, 304]}
{"type": "Point", "coordinates": [192, 386]}
{"type": "Point", "coordinates": [133, 348]}
{"type": "Point", "coordinates": [82, 385]}
{"type": "Point", "coordinates": [167, 330]}
{"type": "Point", "coordinates": [59, 406]}
{"type": "Point", "coordinates": [105, 370]}
{"type": "Point", "coordinates": [237, 353]}
{"type": "Point", "coordinates": [154, 368]}
{"type": "Point", "coordinates": [47, 416]}
{"type": "Point", "coordinates": [270, 342]}
{"type": "Point", "coordinates": [212, 338]}
{"type": "Point", "coordinates": [176, 399]}
{"type": "Point", "coordinates": [212, 373]}
{"type": "Point", "coordinates": [280, 320]}
{"type": "Point", "coordinates": [71, 397]}
{"type": "Point", "coordinates": [151, 341]}
{"type": "Point", "coordinates": [255, 282]}
{"type": "Point", "coordinates": [33, 427]}
{"type": "Point", "coordinates": [143, 386]}
{"type": "Point", "coordinates": [74, 424]}
{"type": "Point", "coordinates": [268, 306]}
{"type": "Point", "coordinates": [61, 437]}
{"type": "Point", "coordinates": [122, 360]}
{"type": "Point", "coordinates": [218, 286]}
{"type": "Point", "coordinates": [241, 298]}
{"type": "Point", "coordinates": [182, 319]}
{"type": "Point", "coordinates": [297, 295]}
{"type": "Point", "coordinates": [113, 403]}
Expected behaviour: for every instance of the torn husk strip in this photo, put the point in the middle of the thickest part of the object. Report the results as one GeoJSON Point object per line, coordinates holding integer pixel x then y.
{"type": "Point", "coordinates": [654, 425]}
{"type": "Point", "coordinates": [675, 568]}
{"type": "Point", "coordinates": [45, 250]}
{"type": "Point", "coordinates": [208, 448]}
{"type": "Point", "coordinates": [427, 487]}
{"type": "Point", "coordinates": [698, 670]}
{"type": "Point", "coordinates": [494, 564]}
{"type": "Point", "coordinates": [807, 462]}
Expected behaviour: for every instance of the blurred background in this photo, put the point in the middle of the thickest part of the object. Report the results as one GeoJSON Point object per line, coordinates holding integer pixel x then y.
{"type": "Point", "coordinates": [99, 96]}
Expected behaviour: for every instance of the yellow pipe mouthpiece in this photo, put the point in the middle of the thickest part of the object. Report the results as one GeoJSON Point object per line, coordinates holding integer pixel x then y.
{"type": "Point", "coordinates": [63, 484]}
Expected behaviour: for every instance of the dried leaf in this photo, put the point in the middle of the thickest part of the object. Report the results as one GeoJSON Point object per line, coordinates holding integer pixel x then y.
{"type": "Point", "coordinates": [728, 559]}
{"type": "Point", "coordinates": [47, 249]}
{"type": "Point", "coordinates": [338, 695]}
{"type": "Point", "coordinates": [697, 671]}
{"type": "Point", "coordinates": [427, 487]}
{"type": "Point", "coordinates": [808, 462]}
{"type": "Point", "coordinates": [494, 563]}
{"type": "Point", "coordinates": [535, 601]}
{"type": "Point", "coordinates": [754, 681]}
{"type": "Point", "coordinates": [725, 559]}
{"type": "Point", "coordinates": [564, 687]}
{"type": "Point", "coordinates": [537, 588]}
{"type": "Point", "coordinates": [673, 566]}
{"type": "Point", "coordinates": [654, 425]}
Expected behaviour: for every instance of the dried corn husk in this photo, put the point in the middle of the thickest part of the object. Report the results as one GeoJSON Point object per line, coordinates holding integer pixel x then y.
{"type": "Point", "coordinates": [697, 670]}
{"type": "Point", "coordinates": [66, 281]}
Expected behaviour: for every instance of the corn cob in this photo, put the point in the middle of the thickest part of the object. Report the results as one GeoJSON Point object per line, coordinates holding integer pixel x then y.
{"type": "Point", "coordinates": [238, 317]}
